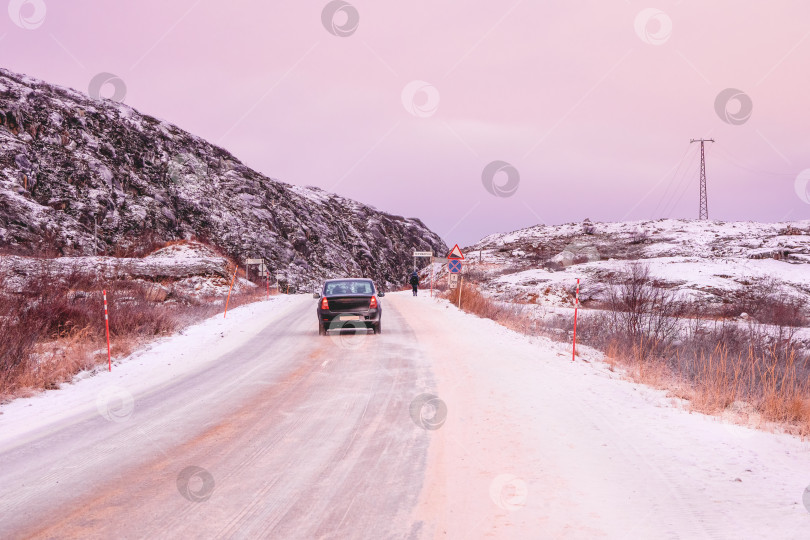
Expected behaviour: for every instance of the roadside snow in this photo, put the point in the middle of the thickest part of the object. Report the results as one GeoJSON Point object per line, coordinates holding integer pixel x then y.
{"type": "Point", "coordinates": [538, 446]}
{"type": "Point", "coordinates": [533, 446]}
{"type": "Point", "coordinates": [159, 363]}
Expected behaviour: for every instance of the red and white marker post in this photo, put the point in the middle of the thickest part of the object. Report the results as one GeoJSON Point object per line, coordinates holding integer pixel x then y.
{"type": "Point", "coordinates": [229, 292]}
{"type": "Point", "coordinates": [267, 275]}
{"type": "Point", "coordinates": [576, 306]}
{"type": "Point", "coordinates": [107, 324]}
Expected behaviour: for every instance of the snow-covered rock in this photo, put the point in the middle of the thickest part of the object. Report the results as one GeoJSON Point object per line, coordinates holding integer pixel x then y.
{"type": "Point", "coordinates": [565, 258]}
{"type": "Point", "coordinates": [705, 260]}
{"type": "Point", "coordinates": [70, 164]}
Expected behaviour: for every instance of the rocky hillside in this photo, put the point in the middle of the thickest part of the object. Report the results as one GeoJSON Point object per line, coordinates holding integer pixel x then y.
{"type": "Point", "coordinates": [711, 261]}
{"type": "Point", "coordinates": [560, 246]}
{"type": "Point", "coordinates": [71, 165]}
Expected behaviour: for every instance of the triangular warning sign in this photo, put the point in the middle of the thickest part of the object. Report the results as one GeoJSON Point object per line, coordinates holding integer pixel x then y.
{"type": "Point", "coordinates": [455, 253]}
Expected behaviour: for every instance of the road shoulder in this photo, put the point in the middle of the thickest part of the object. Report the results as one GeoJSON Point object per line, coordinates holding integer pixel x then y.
{"type": "Point", "coordinates": [535, 445]}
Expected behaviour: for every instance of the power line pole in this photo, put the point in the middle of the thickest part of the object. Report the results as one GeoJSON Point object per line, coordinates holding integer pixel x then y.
{"type": "Point", "coordinates": [704, 201]}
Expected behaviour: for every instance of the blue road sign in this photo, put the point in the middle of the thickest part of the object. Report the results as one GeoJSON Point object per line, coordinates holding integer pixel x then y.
{"type": "Point", "coordinates": [454, 266]}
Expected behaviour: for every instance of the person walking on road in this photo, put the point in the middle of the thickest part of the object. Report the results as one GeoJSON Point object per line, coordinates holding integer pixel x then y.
{"type": "Point", "coordinates": [414, 281]}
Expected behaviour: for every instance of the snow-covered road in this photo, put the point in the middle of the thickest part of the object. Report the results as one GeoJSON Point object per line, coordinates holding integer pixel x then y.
{"type": "Point", "coordinates": [255, 426]}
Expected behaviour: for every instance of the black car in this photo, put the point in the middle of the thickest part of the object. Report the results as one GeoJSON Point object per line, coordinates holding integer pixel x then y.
{"type": "Point", "coordinates": [348, 303]}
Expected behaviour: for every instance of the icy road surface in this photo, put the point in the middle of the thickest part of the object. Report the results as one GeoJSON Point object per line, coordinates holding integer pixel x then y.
{"type": "Point", "coordinates": [255, 426]}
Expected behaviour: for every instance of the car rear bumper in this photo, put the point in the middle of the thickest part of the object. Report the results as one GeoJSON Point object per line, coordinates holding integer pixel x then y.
{"type": "Point", "coordinates": [349, 319]}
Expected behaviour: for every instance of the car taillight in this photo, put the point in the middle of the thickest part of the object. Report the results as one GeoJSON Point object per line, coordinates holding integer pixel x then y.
{"type": "Point", "coordinates": [324, 303]}
{"type": "Point", "coordinates": [373, 303]}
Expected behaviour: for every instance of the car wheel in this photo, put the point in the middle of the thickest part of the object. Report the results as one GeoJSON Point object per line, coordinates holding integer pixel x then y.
{"type": "Point", "coordinates": [321, 329]}
{"type": "Point", "coordinates": [378, 328]}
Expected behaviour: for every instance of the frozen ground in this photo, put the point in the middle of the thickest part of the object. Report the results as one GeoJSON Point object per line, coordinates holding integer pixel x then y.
{"type": "Point", "coordinates": [571, 450]}
{"type": "Point", "coordinates": [332, 437]}
{"type": "Point", "coordinates": [706, 260]}
{"type": "Point", "coordinates": [712, 263]}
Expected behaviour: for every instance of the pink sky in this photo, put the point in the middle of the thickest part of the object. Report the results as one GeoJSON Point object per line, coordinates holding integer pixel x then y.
{"type": "Point", "coordinates": [593, 118]}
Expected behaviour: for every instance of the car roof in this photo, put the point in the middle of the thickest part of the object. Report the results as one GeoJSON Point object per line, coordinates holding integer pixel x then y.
{"type": "Point", "coordinates": [348, 279]}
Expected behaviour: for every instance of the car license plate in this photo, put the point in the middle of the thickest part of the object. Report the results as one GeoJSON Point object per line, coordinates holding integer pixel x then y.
{"type": "Point", "coordinates": [350, 317]}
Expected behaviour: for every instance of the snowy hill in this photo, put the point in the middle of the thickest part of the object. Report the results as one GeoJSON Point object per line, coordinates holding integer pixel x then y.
{"type": "Point", "coordinates": [704, 260]}
{"type": "Point", "coordinates": [69, 162]}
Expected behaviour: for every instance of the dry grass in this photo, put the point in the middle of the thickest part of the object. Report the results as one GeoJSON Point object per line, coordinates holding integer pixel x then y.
{"type": "Point", "coordinates": [775, 385]}
{"type": "Point", "coordinates": [59, 360]}
{"type": "Point", "coordinates": [52, 332]}
{"type": "Point", "coordinates": [745, 382]}
{"type": "Point", "coordinates": [750, 374]}
{"type": "Point", "coordinates": [718, 365]}
{"type": "Point", "coordinates": [473, 301]}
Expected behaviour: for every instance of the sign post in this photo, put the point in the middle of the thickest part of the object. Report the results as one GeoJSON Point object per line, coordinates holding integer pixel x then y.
{"type": "Point", "coordinates": [455, 253]}
{"type": "Point", "coordinates": [454, 266]}
{"type": "Point", "coordinates": [421, 254]}
{"type": "Point", "coordinates": [576, 306]}
{"type": "Point", "coordinates": [255, 262]}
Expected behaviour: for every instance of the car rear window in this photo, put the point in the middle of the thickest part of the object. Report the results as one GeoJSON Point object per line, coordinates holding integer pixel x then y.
{"type": "Point", "coordinates": [348, 287]}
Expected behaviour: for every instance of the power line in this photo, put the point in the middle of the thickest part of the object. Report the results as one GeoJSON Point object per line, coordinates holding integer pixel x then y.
{"type": "Point", "coordinates": [733, 161]}
{"type": "Point", "coordinates": [654, 188]}
{"type": "Point", "coordinates": [682, 187]}
{"type": "Point", "coordinates": [674, 182]}
{"type": "Point", "coordinates": [693, 168]}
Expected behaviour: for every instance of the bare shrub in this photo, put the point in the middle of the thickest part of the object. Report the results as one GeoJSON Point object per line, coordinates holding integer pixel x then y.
{"type": "Point", "coordinates": [19, 332]}
{"type": "Point", "coordinates": [639, 236]}
{"type": "Point", "coordinates": [719, 362]}
{"type": "Point", "coordinates": [684, 347]}
{"type": "Point", "coordinates": [476, 275]}
{"type": "Point", "coordinates": [715, 364]}
{"type": "Point", "coordinates": [768, 303]}
{"type": "Point", "coordinates": [47, 334]}
{"type": "Point", "coordinates": [719, 366]}
{"type": "Point", "coordinates": [473, 301]}
{"type": "Point", "coordinates": [639, 311]}
{"type": "Point", "coordinates": [781, 309]}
